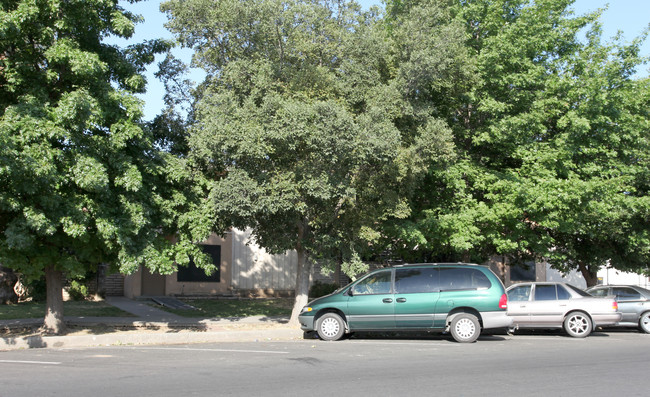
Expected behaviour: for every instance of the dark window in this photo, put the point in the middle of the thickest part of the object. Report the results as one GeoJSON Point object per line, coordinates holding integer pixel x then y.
{"type": "Point", "coordinates": [191, 273]}
{"type": "Point", "coordinates": [562, 293]}
{"type": "Point", "coordinates": [522, 272]}
{"type": "Point", "coordinates": [463, 278]}
{"type": "Point", "coordinates": [377, 283]}
{"type": "Point", "coordinates": [545, 293]}
{"type": "Point", "coordinates": [626, 294]}
{"type": "Point", "coordinates": [409, 281]}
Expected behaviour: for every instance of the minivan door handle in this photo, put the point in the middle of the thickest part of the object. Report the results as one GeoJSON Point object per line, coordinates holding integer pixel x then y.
{"type": "Point", "coordinates": [388, 300]}
{"type": "Point", "coordinates": [401, 300]}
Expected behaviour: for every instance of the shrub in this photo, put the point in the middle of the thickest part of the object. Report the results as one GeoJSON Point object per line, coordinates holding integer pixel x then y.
{"type": "Point", "coordinates": [36, 290]}
{"type": "Point", "coordinates": [77, 290]}
{"type": "Point", "coordinates": [321, 289]}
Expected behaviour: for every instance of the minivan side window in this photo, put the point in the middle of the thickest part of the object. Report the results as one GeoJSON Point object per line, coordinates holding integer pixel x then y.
{"type": "Point", "coordinates": [452, 279]}
{"type": "Point", "coordinates": [416, 280]}
{"type": "Point", "coordinates": [377, 283]}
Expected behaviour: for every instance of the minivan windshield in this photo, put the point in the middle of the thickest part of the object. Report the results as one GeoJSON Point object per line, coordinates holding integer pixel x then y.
{"type": "Point", "coordinates": [375, 283]}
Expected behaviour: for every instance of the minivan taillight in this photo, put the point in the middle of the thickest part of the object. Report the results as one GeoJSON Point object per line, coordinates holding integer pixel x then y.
{"type": "Point", "coordinates": [615, 305]}
{"type": "Point", "coordinates": [503, 302]}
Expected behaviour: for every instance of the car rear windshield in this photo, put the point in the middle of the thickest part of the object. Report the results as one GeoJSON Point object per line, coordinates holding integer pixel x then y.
{"type": "Point", "coordinates": [578, 290]}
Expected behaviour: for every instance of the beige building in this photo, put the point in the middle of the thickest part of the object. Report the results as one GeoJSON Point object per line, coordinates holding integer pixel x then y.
{"type": "Point", "coordinates": [245, 269]}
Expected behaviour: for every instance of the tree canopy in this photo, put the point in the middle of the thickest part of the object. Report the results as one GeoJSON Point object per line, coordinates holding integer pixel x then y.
{"type": "Point", "coordinates": [436, 131]}
{"type": "Point", "coordinates": [431, 131]}
{"type": "Point", "coordinates": [552, 143]}
{"type": "Point", "coordinates": [305, 117]}
{"type": "Point", "coordinates": [83, 181]}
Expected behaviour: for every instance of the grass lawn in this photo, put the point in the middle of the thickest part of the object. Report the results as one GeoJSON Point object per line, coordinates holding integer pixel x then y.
{"type": "Point", "coordinates": [207, 308]}
{"type": "Point", "coordinates": [71, 308]}
{"type": "Point", "coordinates": [236, 307]}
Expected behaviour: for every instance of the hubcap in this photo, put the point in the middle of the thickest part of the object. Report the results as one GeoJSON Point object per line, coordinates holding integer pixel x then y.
{"type": "Point", "coordinates": [578, 325]}
{"type": "Point", "coordinates": [329, 327]}
{"type": "Point", "coordinates": [465, 328]}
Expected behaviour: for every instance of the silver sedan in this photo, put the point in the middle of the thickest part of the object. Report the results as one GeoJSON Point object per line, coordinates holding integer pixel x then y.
{"type": "Point", "coordinates": [633, 303]}
{"type": "Point", "coordinates": [559, 305]}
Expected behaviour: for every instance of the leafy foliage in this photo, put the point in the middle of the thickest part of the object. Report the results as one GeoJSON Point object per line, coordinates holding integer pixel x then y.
{"type": "Point", "coordinates": [552, 143]}
{"type": "Point", "coordinates": [438, 131]}
{"type": "Point", "coordinates": [307, 121]}
{"type": "Point", "coordinates": [319, 289]}
{"type": "Point", "coordinates": [82, 181]}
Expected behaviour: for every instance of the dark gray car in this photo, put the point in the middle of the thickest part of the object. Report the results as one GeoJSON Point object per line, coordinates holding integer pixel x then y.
{"type": "Point", "coordinates": [633, 303]}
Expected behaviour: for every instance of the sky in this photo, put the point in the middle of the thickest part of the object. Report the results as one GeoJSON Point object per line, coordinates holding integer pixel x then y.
{"type": "Point", "coordinates": [630, 17]}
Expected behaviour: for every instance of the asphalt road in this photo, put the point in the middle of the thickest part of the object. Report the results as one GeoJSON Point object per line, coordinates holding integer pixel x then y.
{"type": "Point", "coordinates": [543, 364]}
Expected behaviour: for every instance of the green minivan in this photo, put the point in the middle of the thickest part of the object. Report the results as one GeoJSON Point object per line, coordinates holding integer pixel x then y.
{"type": "Point", "coordinates": [458, 298]}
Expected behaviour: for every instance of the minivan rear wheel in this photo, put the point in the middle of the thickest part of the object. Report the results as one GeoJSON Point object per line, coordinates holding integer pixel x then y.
{"type": "Point", "coordinates": [330, 327]}
{"type": "Point", "coordinates": [465, 328]}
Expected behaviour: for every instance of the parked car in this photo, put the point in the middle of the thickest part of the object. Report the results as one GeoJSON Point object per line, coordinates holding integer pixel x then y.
{"type": "Point", "coordinates": [459, 298]}
{"type": "Point", "coordinates": [559, 305]}
{"type": "Point", "coordinates": [633, 303]}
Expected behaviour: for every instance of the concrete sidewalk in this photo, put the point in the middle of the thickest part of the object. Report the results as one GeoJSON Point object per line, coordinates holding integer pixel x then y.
{"type": "Point", "coordinates": [151, 326]}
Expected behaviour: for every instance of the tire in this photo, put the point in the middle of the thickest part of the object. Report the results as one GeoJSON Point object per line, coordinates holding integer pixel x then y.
{"type": "Point", "coordinates": [644, 322]}
{"type": "Point", "coordinates": [330, 326]}
{"type": "Point", "coordinates": [578, 324]}
{"type": "Point", "coordinates": [465, 328]}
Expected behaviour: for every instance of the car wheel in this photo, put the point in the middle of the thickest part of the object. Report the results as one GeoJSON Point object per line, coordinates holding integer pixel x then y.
{"type": "Point", "coordinates": [330, 327]}
{"type": "Point", "coordinates": [465, 328]}
{"type": "Point", "coordinates": [644, 322]}
{"type": "Point", "coordinates": [577, 324]}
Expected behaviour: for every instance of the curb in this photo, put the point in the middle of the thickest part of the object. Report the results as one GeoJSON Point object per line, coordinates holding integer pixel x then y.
{"type": "Point", "coordinates": [147, 338]}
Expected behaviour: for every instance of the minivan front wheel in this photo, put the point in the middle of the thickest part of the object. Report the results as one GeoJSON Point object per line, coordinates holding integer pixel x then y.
{"type": "Point", "coordinates": [330, 327]}
{"type": "Point", "coordinates": [465, 328]}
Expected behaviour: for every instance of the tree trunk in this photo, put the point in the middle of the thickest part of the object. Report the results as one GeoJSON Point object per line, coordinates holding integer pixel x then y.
{"type": "Point", "coordinates": [53, 323]}
{"type": "Point", "coordinates": [591, 277]}
{"type": "Point", "coordinates": [303, 275]}
{"type": "Point", "coordinates": [101, 281]}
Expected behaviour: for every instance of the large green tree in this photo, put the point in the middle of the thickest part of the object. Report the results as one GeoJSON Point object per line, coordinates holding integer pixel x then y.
{"type": "Point", "coordinates": [552, 142]}
{"type": "Point", "coordinates": [82, 181]}
{"type": "Point", "coordinates": [305, 122]}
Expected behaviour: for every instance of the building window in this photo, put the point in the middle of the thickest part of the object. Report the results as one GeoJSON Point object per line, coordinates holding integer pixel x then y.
{"type": "Point", "coordinates": [191, 273]}
{"type": "Point", "coordinates": [523, 272]}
